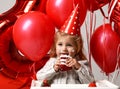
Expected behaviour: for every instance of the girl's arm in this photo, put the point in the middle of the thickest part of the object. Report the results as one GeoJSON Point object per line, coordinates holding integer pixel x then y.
{"type": "Point", "coordinates": [84, 72]}
{"type": "Point", "coordinates": [47, 72]}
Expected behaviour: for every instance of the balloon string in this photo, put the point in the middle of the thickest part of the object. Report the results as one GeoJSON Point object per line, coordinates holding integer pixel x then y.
{"type": "Point", "coordinates": [117, 64]}
{"type": "Point", "coordinates": [34, 72]}
{"type": "Point", "coordinates": [91, 23]}
{"type": "Point", "coordinates": [89, 34]}
{"type": "Point", "coordinates": [104, 64]}
{"type": "Point", "coordinates": [101, 10]}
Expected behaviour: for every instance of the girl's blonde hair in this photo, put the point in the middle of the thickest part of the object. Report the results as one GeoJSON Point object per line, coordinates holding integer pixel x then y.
{"type": "Point", "coordinates": [78, 42]}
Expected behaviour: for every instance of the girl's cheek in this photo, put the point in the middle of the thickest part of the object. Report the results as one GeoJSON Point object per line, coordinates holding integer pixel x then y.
{"type": "Point", "coordinates": [58, 52]}
{"type": "Point", "coordinates": [57, 48]}
{"type": "Point", "coordinates": [72, 52]}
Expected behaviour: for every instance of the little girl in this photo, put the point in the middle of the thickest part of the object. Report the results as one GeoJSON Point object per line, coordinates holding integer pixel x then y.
{"type": "Point", "coordinates": [72, 46]}
{"type": "Point", "coordinates": [67, 63]}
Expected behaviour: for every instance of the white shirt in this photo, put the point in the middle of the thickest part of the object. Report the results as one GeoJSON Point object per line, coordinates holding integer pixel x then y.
{"type": "Point", "coordinates": [80, 76]}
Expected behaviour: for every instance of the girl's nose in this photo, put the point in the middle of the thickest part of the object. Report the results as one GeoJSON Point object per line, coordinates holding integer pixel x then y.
{"type": "Point", "coordinates": [64, 48]}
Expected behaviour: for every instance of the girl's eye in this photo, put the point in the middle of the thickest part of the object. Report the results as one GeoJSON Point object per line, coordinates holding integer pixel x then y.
{"type": "Point", "coordinates": [60, 44]}
{"type": "Point", "coordinates": [69, 44]}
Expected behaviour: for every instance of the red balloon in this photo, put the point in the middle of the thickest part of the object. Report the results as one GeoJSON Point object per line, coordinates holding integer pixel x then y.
{"type": "Point", "coordinates": [93, 5]}
{"type": "Point", "coordinates": [104, 45]}
{"type": "Point", "coordinates": [12, 63]}
{"type": "Point", "coordinates": [17, 83]}
{"type": "Point", "coordinates": [59, 10]}
{"type": "Point", "coordinates": [33, 34]}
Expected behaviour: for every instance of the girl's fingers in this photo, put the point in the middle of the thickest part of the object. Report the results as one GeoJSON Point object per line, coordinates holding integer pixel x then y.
{"type": "Point", "coordinates": [58, 62]}
{"type": "Point", "coordinates": [70, 62]}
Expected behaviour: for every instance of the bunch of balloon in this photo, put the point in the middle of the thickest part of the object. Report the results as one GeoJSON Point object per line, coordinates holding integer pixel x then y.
{"type": "Point", "coordinates": [27, 30]}
{"type": "Point", "coordinates": [17, 66]}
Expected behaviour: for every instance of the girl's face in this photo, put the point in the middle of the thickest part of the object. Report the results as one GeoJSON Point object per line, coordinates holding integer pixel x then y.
{"type": "Point", "coordinates": [65, 45]}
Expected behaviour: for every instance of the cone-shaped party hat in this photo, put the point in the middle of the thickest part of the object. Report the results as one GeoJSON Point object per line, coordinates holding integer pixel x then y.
{"type": "Point", "coordinates": [72, 24]}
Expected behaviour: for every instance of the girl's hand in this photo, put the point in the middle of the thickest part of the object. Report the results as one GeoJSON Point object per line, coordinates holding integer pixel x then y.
{"type": "Point", "coordinates": [72, 62]}
{"type": "Point", "coordinates": [57, 65]}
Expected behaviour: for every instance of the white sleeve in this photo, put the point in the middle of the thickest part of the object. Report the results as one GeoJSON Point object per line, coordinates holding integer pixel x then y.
{"type": "Point", "coordinates": [84, 73]}
{"type": "Point", "coordinates": [47, 72]}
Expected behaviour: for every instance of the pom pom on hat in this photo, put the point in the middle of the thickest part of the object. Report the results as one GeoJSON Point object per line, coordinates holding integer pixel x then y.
{"type": "Point", "coordinates": [72, 24]}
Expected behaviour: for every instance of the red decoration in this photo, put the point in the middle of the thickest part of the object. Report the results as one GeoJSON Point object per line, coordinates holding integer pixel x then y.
{"type": "Point", "coordinates": [16, 71]}
{"type": "Point", "coordinates": [59, 10]}
{"type": "Point", "coordinates": [72, 24]}
{"type": "Point", "coordinates": [40, 5]}
{"type": "Point", "coordinates": [114, 13]}
{"type": "Point", "coordinates": [46, 83]}
{"type": "Point", "coordinates": [92, 84]}
{"type": "Point", "coordinates": [18, 83]}
{"type": "Point", "coordinates": [33, 35]}
{"type": "Point", "coordinates": [94, 5]}
{"type": "Point", "coordinates": [104, 45]}
{"type": "Point", "coordinates": [9, 17]}
{"type": "Point", "coordinates": [11, 62]}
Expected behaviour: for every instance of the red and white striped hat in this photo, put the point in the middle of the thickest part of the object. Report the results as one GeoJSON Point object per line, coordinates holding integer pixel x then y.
{"type": "Point", "coordinates": [72, 24]}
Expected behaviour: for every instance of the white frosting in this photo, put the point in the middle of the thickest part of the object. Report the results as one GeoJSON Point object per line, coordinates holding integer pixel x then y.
{"type": "Point", "coordinates": [62, 55]}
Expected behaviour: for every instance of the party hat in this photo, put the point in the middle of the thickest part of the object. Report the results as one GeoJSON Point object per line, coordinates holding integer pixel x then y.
{"type": "Point", "coordinates": [72, 24]}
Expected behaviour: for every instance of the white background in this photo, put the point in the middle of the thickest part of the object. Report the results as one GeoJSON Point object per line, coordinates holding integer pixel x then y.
{"type": "Point", "coordinates": [6, 5]}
